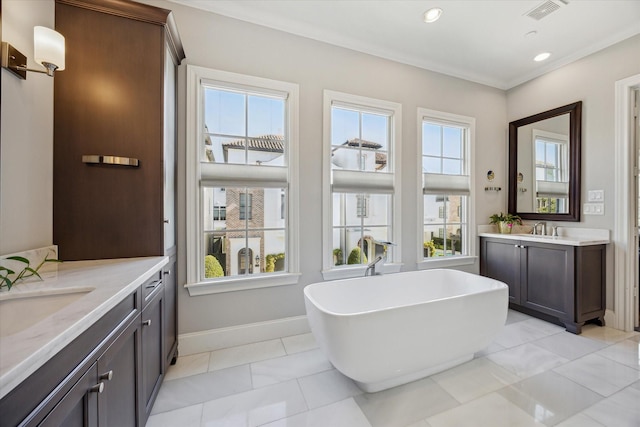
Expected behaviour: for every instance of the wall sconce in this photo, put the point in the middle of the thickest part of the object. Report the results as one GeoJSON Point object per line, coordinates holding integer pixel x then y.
{"type": "Point", "coordinates": [257, 260]}
{"type": "Point", "coordinates": [48, 50]}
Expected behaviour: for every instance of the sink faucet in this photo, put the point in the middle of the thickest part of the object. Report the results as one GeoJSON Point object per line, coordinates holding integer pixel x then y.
{"type": "Point", "coordinates": [544, 228]}
{"type": "Point", "coordinates": [371, 268]}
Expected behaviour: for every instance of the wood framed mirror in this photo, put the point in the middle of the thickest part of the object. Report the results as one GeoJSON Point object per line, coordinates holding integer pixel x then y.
{"type": "Point", "coordinates": [544, 165]}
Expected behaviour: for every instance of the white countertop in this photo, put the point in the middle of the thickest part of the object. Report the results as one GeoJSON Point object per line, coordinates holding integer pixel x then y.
{"type": "Point", "coordinates": [24, 352]}
{"type": "Point", "coordinates": [566, 236]}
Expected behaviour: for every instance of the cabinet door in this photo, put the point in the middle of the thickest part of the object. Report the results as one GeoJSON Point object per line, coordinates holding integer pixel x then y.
{"type": "Point", "coordinates": [118, 368]}
{"type": "Point", "coordinates": [152, 353]}
{"type": "Point", "coordinates": [79, 407]}
{"type": "Point", "coordinates": [500, 260]}
{"type": "Point", "coordinates": [548, 278]}
{"type": "Point", "coordinates": [170, 313]}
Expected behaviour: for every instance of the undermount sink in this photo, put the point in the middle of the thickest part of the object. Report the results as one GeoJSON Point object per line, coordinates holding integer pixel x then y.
{"type": "Point", "coordinates": [21, 310]}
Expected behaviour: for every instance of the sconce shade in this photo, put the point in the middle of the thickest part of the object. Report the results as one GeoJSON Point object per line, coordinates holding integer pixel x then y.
{"type": "Point", "coordinates": [48, 46]}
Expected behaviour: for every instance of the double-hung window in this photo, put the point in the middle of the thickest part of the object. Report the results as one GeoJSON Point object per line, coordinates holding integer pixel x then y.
{"type": "Point", "coordinates": [361, 186]}
{"type": "Point", "coordinates": [551, 166]}
{"type": "Point", "coordinates": [241, 181]}
{"type": "Point", "coordinates": [445, 158]}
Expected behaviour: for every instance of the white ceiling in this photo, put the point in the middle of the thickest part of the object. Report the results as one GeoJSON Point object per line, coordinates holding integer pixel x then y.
{"type": "Point", "coordinates": [478, 40]}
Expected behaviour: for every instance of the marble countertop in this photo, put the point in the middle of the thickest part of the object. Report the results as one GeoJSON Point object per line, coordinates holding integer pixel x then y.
{"type": "Point", "coordinates": [566, 235]}
{"type": "Point", "coordinates": [23, 352]}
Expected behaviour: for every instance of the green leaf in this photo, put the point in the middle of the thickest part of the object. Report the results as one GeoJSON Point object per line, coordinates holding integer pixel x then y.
{"type": "Point", "coordinates": [7, 270]}
{"type": "Point", "coordinates": [19, 258]}
{"type": "Point", "coordinates": [33, 272]}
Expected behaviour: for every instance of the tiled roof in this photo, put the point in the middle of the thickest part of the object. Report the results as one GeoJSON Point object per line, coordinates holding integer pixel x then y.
{"type": "Point", "coordinates": [269, 143]}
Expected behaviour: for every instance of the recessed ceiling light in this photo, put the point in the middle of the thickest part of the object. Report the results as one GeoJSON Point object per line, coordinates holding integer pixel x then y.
{"type": "Point", "coordinates": [432, 15]}
{"type": "Point", "coordinates": [542, 56]}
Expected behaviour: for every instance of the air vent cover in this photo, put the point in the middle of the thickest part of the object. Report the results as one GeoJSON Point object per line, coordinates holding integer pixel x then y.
{"type": "Point", "coordinates": [543, 10]}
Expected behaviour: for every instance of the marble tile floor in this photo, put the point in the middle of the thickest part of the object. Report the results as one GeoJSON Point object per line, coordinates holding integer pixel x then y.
{"type": "Point", "coordinates": [533, 374]}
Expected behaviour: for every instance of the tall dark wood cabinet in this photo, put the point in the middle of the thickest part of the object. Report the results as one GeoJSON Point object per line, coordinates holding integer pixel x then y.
{"type": "Point", "coordinates": [115, 103]}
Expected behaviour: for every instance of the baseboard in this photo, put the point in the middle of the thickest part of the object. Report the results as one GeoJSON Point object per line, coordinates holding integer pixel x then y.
{"type": "Point", "coordinates": [216, 339]}
{"type": "Point", "coordinates": [610, 319]}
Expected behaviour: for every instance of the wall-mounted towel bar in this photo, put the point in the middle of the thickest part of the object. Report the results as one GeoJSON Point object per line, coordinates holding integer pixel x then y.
{"type": "Point", "coordinates": [110, 160]}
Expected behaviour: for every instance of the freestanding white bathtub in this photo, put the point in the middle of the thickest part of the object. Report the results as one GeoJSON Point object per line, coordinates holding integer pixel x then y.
{"type": "Point", "coordinates": [383, 331]}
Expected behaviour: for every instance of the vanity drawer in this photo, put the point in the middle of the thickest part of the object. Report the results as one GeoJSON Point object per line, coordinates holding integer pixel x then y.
{"type": "Point", "coordinates": [151, 285]}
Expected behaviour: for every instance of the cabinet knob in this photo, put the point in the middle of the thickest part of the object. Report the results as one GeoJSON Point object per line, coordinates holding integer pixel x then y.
{"type": "Point", "coordinates": [147, 322]}
{"type": "Point", "coordinates": [107, 376]}
{"type": "Point", "coordinates": [98, 388]}
{"type": "Point", "coordinates": [166, 221]}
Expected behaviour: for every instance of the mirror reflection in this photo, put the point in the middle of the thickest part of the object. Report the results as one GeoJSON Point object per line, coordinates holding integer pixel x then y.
{"type": "Point", "coordinates": [544, 165]}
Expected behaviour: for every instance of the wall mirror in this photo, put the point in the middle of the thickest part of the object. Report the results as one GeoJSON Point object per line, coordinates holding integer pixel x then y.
{"type": "Point", "coordinates": [544, 165]}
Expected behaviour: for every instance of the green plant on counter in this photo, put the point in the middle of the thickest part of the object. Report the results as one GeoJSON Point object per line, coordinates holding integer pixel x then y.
{"type": "Point", "coordinates": [23, 274]}
{"type": "Point", "coordinates": [212, 267]}
{"type": "Point", "coordinates": [508, 218]}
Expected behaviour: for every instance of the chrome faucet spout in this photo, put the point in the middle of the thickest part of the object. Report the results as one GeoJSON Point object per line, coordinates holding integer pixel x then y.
{"type": "Point", "coordinates": [371, 267]}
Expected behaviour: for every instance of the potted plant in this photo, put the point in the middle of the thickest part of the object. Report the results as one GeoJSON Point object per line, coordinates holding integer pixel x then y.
{"type": "Point", "coordinates": [505, 222]}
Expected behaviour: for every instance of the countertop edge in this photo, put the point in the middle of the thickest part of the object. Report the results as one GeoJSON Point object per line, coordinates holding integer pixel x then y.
{"type": "Point", "coordinates": [37, 358]}
{"type": "Point", "coordinates": [559, 240]}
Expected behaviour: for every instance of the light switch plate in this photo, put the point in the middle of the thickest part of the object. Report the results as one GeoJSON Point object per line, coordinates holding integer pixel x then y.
{"type": "Point", "coordinates": [596, 195]}
{"type": "Point", "coordinates": [593, 209]}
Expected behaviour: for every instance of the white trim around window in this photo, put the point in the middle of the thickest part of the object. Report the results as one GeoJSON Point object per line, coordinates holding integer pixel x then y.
{"type": "Point", "coordinates": [461, 184]}
{"type": "Point", "coordinates": [352, 181]}
{"type": "Point", "coordinates": [196, 77]}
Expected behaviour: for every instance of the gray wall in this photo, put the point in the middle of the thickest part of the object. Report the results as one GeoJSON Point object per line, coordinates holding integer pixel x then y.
{"type": "Point", "coordinates": [592, 81]}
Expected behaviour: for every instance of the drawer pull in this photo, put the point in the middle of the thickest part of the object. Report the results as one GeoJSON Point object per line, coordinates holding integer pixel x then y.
{"type": "Point", "coordinates": [110, 160]}
{"type": "Point", "coordinates": [107, 376]}
{"type": "Point", "coordinates": [166, 272]}
{"type": "Point", "coordinates": [153, 284]}
{"type": "Point", "coordinates": [98, 388]}
{"type": "Point", "coordinates": [147, 322]}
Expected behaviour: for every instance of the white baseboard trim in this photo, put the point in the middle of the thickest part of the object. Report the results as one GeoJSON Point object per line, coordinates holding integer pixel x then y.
{"type": "Point", "coordinates": [216, 339]}
{"type": "Point", "coordinates": [610, 319]}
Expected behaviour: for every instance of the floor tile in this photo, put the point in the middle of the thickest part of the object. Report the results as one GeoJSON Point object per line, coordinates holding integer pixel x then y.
{"type": "Point", "coordinates": [580, 420]}
{"type": "Point", "coordinates": [289, 367]}
{"type": "Point", "coordinates": [474, 379]}
{"type": "Point", "coordinates": [183, 417]}
{"type": "Point", "coordinates": [636, 385]}
{"type": "Point", "coordinates": [243, 354]}
{"type": "Point", "coordinates": [549, 397]}
{"type": "Point", "coordinates": [491, 348]}
{"type": "Point", "coordinates": [421, 423]}
{"type": "Point", "coordinates": [299, 343]}
{"type": "Point", "coordinates": [527, 360]}
{"type": "Point", "coordinates": [620, 410]}
{"type": "Point", "coordinates": [255, 407]}
{"type": "Point", "coordinates": [345, 413]}
{"type": "Point", "coordinates": [570, 346]}
{"type": "Point", "coordinates": [194, 389]}
{"type": "Point", "coordinates": [605, 334]}
{"type": "Point", "coordinates": [515, 316]}
{"type": "Point", "coordinates": [491, 410]}
{"type": "Point", "coordinates": [625, 352]}
{"type": "Point", "coordinates": [185, 366]}
{"type": "Point", "coordinates": [602, 375]}
{"type": "Point", "coordinates": [635, 337]}
{"type": "Point", "coordinates": [405, 404]}
{"type": "Point", "coordinates": [327, 387]}
{"type": "Point", "coordinates": [525, 331]}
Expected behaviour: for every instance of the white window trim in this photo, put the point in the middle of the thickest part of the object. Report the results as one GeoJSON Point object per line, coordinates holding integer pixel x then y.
{"type": "Point", "coordinates": [340, 99]}
{"type": "Point", "coordinates": [194, 225]}
{"type": "Point", "coordinates": [447, 119]}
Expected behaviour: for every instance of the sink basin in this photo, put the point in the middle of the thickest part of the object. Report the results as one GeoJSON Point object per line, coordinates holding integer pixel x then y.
{"type": "Point", "coordinates": [21, 310]}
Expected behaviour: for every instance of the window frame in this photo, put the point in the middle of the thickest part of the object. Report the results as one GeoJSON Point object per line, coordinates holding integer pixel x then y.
{"type": "Point", "coordinates": [425, 114]}
{"type": "Point", "coordinates": [370, 105]}
{"type": "Point", "coordinates": [196, 78]}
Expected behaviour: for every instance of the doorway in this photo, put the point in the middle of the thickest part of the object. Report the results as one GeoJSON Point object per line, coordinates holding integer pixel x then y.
{"type": "Point", "coordinates": [635, 135]}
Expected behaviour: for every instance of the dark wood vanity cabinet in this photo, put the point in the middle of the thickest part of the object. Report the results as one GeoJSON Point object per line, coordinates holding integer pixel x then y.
{"type": "Point", "coordinates": [560, 283]}
{"type": "Point", "coordinates": [116, 97]}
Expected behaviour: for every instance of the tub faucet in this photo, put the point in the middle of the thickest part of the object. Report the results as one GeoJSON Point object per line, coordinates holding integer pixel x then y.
{"type": "Point", "coordinates": [371, 268]}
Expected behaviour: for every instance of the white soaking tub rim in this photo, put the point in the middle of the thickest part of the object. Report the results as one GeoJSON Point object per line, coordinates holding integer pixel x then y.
{"type": "Point", "coordinates": [497, 285]}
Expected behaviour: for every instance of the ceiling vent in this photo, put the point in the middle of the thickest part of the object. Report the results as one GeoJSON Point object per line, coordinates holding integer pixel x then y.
{"type": "Point", "coordinates": [545, 9]}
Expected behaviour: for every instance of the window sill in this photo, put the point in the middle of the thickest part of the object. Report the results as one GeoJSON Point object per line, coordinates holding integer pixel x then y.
{"type": "Point", "coordinates": [445, 262]}
{"type": "Point", "coordinates": [351, 272]}
{"type": "Point", "coordinates": [242, 284]}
